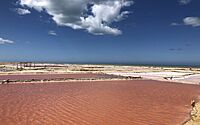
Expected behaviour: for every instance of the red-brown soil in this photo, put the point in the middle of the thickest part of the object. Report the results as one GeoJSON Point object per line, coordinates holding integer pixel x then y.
{"type": "Point", "coordinates": [96, 103]}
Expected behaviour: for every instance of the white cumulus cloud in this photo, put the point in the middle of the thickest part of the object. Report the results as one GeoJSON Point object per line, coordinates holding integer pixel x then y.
{"type": "Point", "coordinates": [53, 33]}
{"type": "Point", "coordinates": [5, 41]}
{"type": "Point", "coordinates": [95, 16]}
{"type": "Point", "coordinates": [21, 11]}
{"type": "Point", "coordinates": [184, 2]}
{"type": "Point", "coordinates": [192, 21]}
{"type": "Point", "coordinates": [175, 24]}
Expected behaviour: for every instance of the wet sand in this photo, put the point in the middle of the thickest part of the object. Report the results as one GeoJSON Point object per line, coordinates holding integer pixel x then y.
{"type": "Point", "coordinates": [97, 103]}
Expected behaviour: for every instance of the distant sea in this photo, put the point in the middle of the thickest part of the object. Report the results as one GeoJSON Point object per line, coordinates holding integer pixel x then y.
{"type": "Point", "coordinates": [189, 65]}
{"type": "Point", "coordinates": [142, 64]}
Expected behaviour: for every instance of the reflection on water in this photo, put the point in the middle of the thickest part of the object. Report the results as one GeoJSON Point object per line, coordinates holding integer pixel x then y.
{"type": "Point", "coordinates": [56, 76]}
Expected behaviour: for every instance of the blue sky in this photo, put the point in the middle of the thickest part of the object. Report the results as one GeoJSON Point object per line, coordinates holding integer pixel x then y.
{"type": "Point", "coordinates": [117, 31]}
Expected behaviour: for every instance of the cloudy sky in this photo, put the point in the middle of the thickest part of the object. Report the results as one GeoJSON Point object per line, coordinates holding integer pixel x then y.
{"type": "Point", "coordinates": [101, 31]}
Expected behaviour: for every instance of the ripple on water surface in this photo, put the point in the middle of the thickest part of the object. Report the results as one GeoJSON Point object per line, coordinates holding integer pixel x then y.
{"type": "Point", "coordinates": [96, 103]}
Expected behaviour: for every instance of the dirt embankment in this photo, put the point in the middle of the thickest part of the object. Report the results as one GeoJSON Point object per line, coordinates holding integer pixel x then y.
{"type": "Point", "coordinates": [194, 115]}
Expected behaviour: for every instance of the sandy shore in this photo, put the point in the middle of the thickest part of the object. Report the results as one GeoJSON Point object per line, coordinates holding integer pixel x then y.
{"type": "Point", "coordinates": [194, 115]}
{"type": "Point", "coordinates": [88, 103]}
